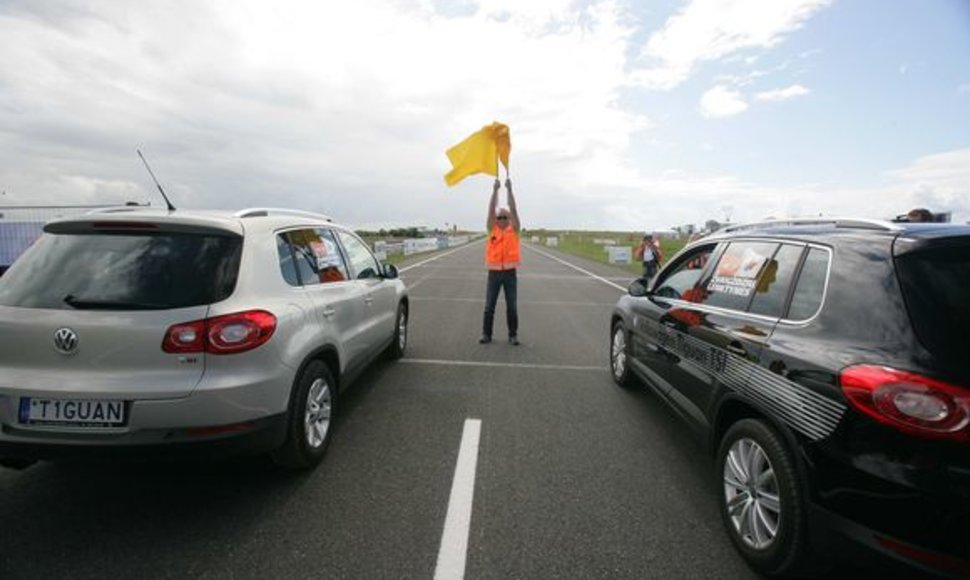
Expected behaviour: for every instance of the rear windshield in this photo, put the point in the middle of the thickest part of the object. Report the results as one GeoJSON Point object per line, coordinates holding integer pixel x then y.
{"type": "Point", "coordinates": [123, 271]}
{"type": "Point", "coordinates": [936, 285]}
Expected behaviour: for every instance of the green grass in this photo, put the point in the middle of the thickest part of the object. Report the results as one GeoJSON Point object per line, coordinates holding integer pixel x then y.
{"type": "Point", "coordinates": [581, 244]}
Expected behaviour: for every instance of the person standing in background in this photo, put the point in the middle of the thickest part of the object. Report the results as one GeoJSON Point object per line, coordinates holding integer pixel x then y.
{"type": "Point", "coordinates": [649, 253]}
{"type": "Point", "coordinates": [502, 258]}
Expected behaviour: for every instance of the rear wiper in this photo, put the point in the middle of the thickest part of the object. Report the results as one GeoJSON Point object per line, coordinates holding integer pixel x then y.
{"type": "Point", "coordinates": [74, 302]}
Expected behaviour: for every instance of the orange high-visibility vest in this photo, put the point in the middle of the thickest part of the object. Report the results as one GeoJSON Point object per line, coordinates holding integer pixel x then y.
{"type": "Point", "coordinates": [502, 249]}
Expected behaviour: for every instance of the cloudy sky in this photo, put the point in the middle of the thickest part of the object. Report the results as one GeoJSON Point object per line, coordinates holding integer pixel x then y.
{"type": "Point", "coordinates": [625, 114]}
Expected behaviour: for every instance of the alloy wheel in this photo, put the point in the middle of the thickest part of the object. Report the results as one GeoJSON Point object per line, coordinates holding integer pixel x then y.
{"type": "Point", "coordinates": [751, 494]}
{"type": "Point", "coordinates": [402, 329]}
{"type": "Point", "coordinates": [319, 406]}
{"type": "Point", "coordinates": [618, 353]}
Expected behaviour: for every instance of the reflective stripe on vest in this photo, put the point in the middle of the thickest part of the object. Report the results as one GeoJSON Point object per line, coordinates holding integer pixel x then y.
{"type": "Point", "coordinates": [502, 249]}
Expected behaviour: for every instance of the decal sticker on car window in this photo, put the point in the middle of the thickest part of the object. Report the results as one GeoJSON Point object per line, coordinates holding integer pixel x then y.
{"type": "Point", "coordinates": [737, 275]}
{"type": "Point", "coordinates": [326, 254]}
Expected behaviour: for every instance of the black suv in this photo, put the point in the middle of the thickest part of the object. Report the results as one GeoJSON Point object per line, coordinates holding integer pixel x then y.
{"type": "Point", "coordinates": [827, 365]}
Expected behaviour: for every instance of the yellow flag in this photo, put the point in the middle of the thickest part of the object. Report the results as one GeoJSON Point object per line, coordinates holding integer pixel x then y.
{"type": "Point", "coordinates": [480, 153]}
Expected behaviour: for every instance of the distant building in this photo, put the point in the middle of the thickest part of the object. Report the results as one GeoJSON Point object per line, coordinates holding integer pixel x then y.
{"type": "Point", "coordinates": [670, 234]}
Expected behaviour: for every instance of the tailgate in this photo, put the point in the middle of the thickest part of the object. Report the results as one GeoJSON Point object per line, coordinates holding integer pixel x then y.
{"type": "Point", "coordinates": [92, 354]}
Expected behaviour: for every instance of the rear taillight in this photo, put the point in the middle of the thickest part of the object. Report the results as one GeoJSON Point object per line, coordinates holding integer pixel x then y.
{"type": "Point", "coordinates": [909, 402]}
{"type": "Point", "coordinates": [239, 332]}
{"type": "Point", "coordinates": [227, 334]}
{"type": "Point", "coordinates": [187, 337]}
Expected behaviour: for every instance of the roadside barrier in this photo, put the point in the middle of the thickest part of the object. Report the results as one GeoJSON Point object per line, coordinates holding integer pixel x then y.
{"type": "Point", "coordinates": [412, 246]}
{"type": "Point", "coordinates": [21, 225]}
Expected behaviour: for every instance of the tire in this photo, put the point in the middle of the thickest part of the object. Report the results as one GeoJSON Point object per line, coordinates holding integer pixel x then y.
{"type": "Point", "coordinates": [620, 357]}
{"type": "Point", "coordinates": [310, 420]}
{"type": "Point", "coordinates": [396, 349]}
{"type": "Point", "coordinates": [752, 447]}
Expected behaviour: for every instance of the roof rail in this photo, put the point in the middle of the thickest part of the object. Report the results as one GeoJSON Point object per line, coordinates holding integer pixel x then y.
{"type": "Point", "coordinates": [854, 223]}
{"type": "Point", "coordinates": [265, 211]}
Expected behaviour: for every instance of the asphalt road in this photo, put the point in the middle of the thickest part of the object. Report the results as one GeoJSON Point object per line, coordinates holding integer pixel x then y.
{"type": "Point", "coordinates": [574, 477]}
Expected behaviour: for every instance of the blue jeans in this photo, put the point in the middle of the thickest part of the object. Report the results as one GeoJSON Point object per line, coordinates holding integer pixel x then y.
{"type": "Point", "coordinates": [650, 269]}
{"type": "Point", "coordinates": [497, 280]}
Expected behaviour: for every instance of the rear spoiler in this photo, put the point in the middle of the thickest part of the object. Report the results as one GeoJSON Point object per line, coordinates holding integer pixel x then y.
{"type": "Point", "coordinates": [114, 223]}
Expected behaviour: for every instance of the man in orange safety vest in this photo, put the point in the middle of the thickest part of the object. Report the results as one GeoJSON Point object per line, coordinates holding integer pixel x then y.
{"type": "Point", "coordinates": [502, 259]}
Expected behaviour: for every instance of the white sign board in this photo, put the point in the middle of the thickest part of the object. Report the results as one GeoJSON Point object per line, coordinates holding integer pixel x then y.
{"type": "Point", "coordinates": [620, 254]}
{"type": "Point", "coordinates": [552, 242]}
{"type": "Point", "coordinates": [418, 245]}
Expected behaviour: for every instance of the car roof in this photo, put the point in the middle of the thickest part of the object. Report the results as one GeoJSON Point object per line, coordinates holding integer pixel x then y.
{"type": "Point", "coordinates": [237, 222]}
{"type": "Point", "coordinates": [820, 228]}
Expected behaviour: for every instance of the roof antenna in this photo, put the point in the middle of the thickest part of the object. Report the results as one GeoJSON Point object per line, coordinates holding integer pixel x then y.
{"type": "Point", "coordinates": [157, 184]}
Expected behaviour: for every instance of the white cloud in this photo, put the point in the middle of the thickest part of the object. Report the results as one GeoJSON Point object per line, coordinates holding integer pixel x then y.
{"type": "Point", "coordinates": [707, 30]}
{"type": "Point", "coordinates": [343, 109]}
{"type": "Point", "coordinates": [782, 94]}
{"type": "Point", "coordinates": [940, 182]}
{"type": "Point", "coordinates": [721, 101]}
{"type": "Point", "coordinates": [949, 170]}
{"type": "Point", "coordinates": [348, 110]}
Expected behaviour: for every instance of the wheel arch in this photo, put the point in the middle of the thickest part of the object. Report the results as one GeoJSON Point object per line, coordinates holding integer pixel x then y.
{"type": "Point", "coordinates": [618, 316]}
{"type": "Point", "coordinates": [733, 408]}
{"type": "Point", "coordinates": [328, 355]}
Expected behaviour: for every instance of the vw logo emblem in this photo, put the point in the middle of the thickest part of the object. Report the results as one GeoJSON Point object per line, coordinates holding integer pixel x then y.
{"type": "Point", "coordinates": [65, 341]}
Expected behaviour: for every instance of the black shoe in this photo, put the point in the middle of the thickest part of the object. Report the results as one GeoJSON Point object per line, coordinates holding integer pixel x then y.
{"type": "Point", "coordinates": [514, 340]}
{"type": "Point", "coordinates": [485, 339]}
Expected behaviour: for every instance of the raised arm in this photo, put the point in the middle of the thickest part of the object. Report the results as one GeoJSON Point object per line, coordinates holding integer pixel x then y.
{"type": "Point", "coordinates": [512, 208]}
{"type": "Point", "coordinates": [490, 222]}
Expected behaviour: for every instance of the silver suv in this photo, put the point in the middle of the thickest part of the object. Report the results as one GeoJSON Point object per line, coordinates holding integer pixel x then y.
{"type": "Point", "coordinates": [139, 330]}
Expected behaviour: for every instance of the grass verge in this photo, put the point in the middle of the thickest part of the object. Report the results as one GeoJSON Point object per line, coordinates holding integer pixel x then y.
{"type": "Point", "coordinates": [587, 245]}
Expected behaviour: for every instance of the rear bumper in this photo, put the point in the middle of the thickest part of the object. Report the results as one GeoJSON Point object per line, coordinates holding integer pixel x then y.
{"type": "Point", "coordinates": [249, 438]}
{"type": "Point", "coordinates": [221, 398]}
{"type": "Point", "coordinates": [834, 534]}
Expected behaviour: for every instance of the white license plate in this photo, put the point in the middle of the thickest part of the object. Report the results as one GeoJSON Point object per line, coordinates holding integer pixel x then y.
{"type": "Point", "coordinates": [72, 412]}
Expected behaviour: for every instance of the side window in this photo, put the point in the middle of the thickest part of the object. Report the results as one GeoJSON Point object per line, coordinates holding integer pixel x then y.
{"type": "Point", "coordinates": [287, 266]}
{"type": "Point", "coordinates": [361, 260]}
{"type": "Point", "coordinates": [317, 258]}
{"type": "Point", "coordinates": [772, 289]}
{"type": "Point", "coordinates": [810, 288]}
{"type": "Point", "coordinates": [680, 278]}
{"type": "Point", "coordinates": [330, 262]}
{"type": "Point", "coordinates": [736, 275]}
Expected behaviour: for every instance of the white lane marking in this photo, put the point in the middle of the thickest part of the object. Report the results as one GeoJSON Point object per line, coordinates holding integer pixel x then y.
{"type": "Point", "coordinates": [454, 539]}
{"type": "Point", "coordinates": [526, 303]}
{"type": "Point", "coordinates": [577, 268]}
{"type": "Point", "coordinates": [489, 364]}
{"type": "Point", "coordinates": [438, 257]}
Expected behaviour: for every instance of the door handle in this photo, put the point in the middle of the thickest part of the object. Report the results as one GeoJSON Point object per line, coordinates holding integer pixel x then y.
{"type": "Point", "coordinates": [368, 299]}
{"type": "Point", "coordinates": [329, 311]}
{"type": "Point", "coordinates": [736, 348]}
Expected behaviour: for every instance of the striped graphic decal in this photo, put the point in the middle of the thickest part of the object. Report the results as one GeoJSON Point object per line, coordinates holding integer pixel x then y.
{"type": "Point", "coordinates": [804, 410]}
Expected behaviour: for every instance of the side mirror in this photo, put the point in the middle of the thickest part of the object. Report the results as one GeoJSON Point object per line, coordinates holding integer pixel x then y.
{"type": "Point", "coordinates": [389, 271]}
{"type": "Point", "coordinates": [638, 288]}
